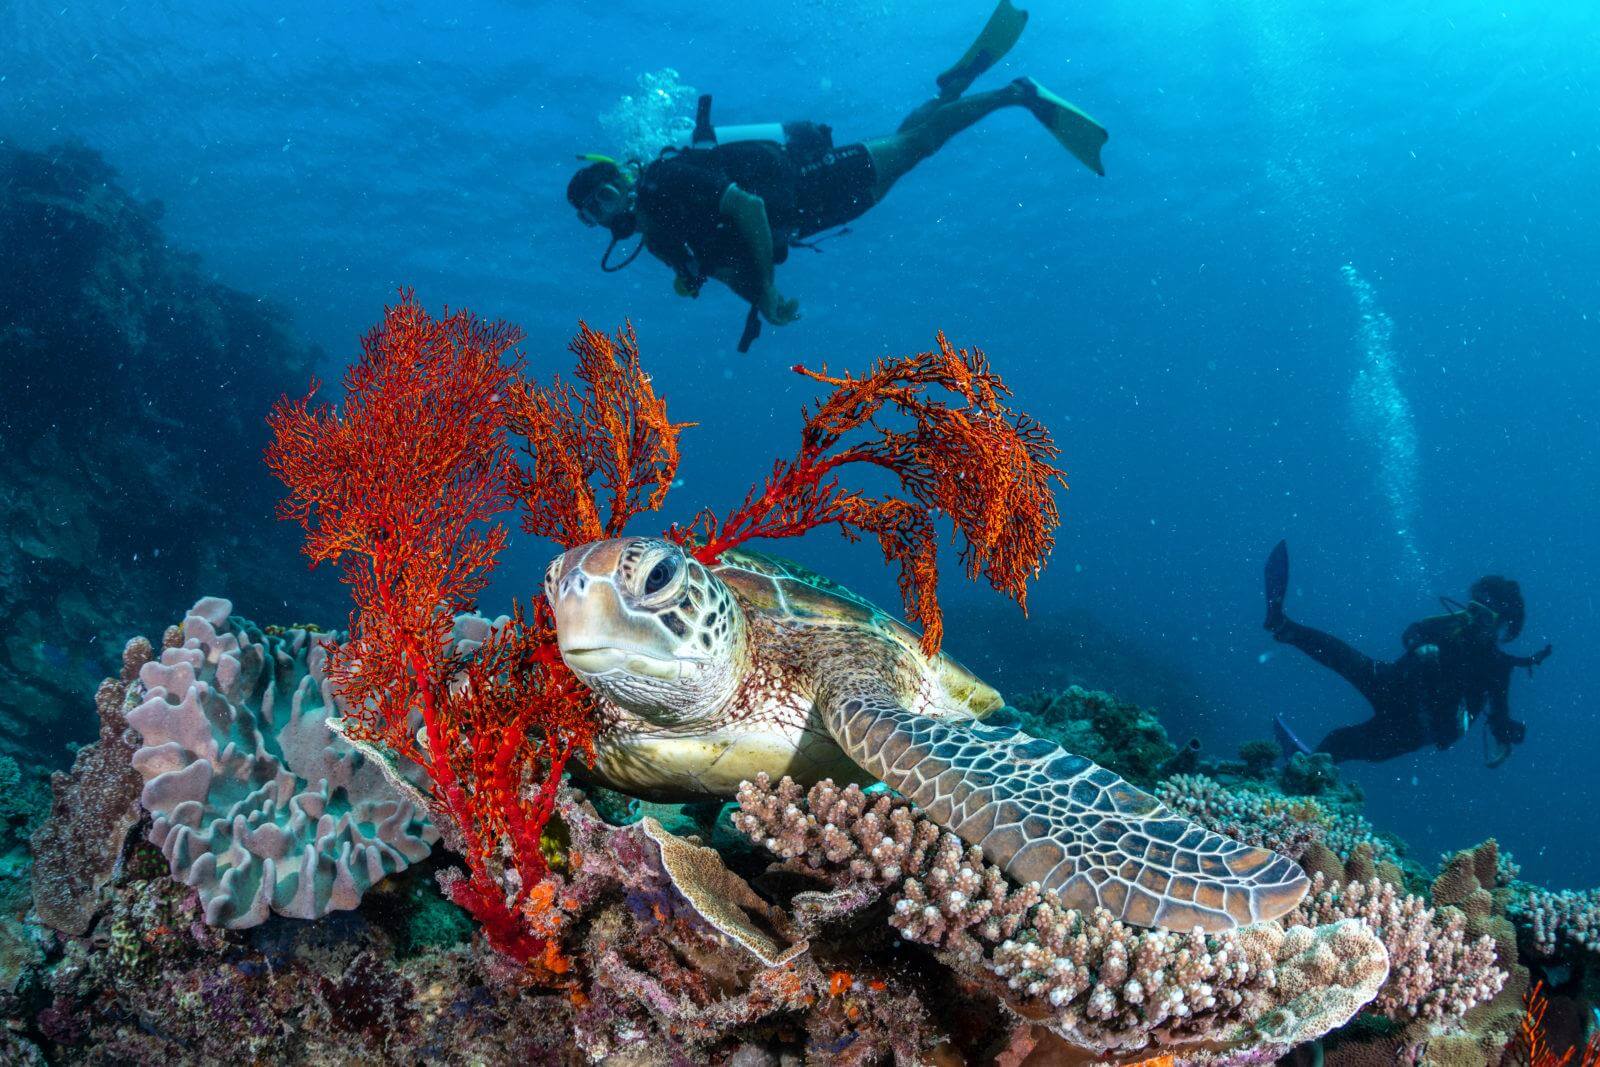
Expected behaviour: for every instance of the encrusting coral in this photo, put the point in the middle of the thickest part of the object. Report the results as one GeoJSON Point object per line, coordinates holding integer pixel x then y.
{"type": "Point", "coordinates": [1108, 988]}
{"type": "Point", "coordinates": [79, 849]}
{"type": "Point", "coordinates": [255, 802]}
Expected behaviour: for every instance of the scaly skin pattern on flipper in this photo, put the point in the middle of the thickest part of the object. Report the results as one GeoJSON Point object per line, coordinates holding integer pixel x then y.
{"type": "Point", "coordinates": [1048, 816]}
{"type": "Point", "coordinates": [754, 664]}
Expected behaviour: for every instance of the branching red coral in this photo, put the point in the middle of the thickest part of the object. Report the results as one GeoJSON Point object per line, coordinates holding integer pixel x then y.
{"type": "Point", "coordinates": [400, 490]}
{"type": "Point", "coordinates": [990, 469]}
{"type": "Point", "coordinates": [614, 432]}
{"type": "Point", "coordinates": [1531, 1048]}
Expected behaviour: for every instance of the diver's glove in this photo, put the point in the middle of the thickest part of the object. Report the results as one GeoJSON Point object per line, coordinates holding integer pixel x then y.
{"type": "Point", "coordinates": [1542, 655]}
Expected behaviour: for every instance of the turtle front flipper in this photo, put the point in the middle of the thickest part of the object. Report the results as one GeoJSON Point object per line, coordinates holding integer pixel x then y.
{"type": "Point", "coordinates": [1048, 816]}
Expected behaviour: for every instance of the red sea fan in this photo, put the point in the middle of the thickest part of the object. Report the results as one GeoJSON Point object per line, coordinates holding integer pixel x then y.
{"type": "Point", "coordinates": [400, 489]}
{"type": "Point", "coordinates": [965, 455]}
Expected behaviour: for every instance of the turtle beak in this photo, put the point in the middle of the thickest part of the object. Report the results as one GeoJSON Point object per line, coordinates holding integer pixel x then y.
{"type": "Point", "coordinates": [596, 632]}
{"type": "Point", "coordinates": [596, 661]}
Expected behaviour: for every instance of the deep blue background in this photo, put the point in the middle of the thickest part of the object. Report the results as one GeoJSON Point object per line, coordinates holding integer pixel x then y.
{"type": "Point", "coordinates": [1182, 324]}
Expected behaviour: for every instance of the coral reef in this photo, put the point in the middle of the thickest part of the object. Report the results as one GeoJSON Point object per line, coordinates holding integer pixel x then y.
{"type": "Point", "coordinates": [1119, 736]}
{"type": "Point", "coordinates": [1436, 974]}
{"type": "Point", "coordinates": [255, 802]}
{"type": "Point", "coordinates": [154, 984]}
{"type": "Point", "coordinates": [1469, 881]}
{"type": "Point", "coordinates": [1271, 819]}
{"type": "Point", "coordinates": [123, 498]}
{"type": "Point", "coordinates": [1558, 923]}
{"type": "Point", "coordinates": [400, 489]}
{"type": "Point", "coordinates": [78, 850]}
{"type": "Point", "coordinates": [1107, 988]}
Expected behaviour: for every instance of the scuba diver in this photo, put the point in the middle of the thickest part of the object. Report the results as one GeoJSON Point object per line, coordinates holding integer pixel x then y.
{"type": "Point", "coordinates": [1451, 671]}
{"type": "Point", "coordinates": [731, 203]}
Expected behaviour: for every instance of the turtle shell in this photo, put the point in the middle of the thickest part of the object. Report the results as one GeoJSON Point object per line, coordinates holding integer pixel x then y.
{"type": "Point", "coordinates": [783, 589]}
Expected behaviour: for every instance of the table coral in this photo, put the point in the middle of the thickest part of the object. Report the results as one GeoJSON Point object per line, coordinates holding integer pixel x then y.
{"type": "Point", "coordinates": [254, 801]}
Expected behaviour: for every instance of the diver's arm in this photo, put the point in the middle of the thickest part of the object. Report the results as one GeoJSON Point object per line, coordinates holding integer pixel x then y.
{"type": "Point", "coordinates": [1534, 660]}
{"type": "Point", "coordinates": [748, 213]}
{"type": "Point", "coordinates": [1506, 730]}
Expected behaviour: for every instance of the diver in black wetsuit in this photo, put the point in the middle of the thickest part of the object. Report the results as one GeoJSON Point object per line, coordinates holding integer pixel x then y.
{"type": "Point", "coordinates": [1451, 672]}
{"type": "Point", "coordinates": [730, 205]}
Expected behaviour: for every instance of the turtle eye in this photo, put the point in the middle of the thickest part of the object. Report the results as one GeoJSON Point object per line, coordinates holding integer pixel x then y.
{"type": "Point", "coordinates": [661, 575]}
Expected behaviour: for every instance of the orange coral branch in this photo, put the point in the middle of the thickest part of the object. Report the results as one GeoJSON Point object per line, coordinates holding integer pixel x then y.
{"type": "Point", "coordinates": [397, 489]}
{"type": "Point", "coordinates": [989, 469]}
{"type": "Point", "coordinates": [1531, 1047]}
{"type": "Point", "coordinates": [613, 432]}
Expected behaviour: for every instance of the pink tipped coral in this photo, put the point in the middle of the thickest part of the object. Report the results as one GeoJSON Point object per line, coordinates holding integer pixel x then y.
{"type": "Point", "coordinates": [1437, 973]}
{"type": "Point", "coordinates": [1557, 921]}
{"type": "Point", "coordinates": [1099, 983]}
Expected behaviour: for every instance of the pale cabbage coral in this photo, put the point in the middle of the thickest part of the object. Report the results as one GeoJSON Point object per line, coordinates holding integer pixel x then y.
{"type": "Point", "coordinates": [254, 801]}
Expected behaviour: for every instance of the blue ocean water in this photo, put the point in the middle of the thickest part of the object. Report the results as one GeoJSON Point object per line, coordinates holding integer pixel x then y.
{"type": "Point", "coordinates": [1339, 286]}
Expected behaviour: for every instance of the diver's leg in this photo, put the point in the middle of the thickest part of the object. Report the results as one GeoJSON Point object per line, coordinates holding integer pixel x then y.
{"type": "Point", "coordinates": [1357, 668]}
{"type": "Point", "coordinates": [894, 156]}
{"type": "Point", "coordinates": [998, 35]}
{"type": "Point", "coordinates": [1380, 738]}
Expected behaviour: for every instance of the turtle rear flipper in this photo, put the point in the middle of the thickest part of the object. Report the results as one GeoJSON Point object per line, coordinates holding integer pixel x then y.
{"type": "Point", "coordinates": [1048, 816]}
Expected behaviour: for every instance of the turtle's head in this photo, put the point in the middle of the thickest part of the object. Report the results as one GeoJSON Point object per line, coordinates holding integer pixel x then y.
{"type": "Point", "coordinates": [647, 627]}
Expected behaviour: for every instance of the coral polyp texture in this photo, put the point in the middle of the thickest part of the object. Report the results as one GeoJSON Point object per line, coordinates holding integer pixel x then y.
{"type": "Point", "coordinates": [1103, 986]}
{"type": "Point", "coordinates": [1556, 922]}
{"type": "Point", "coordinates": [254, 801]}
{"type": "Point", "coordinates": [1287, 824]}
{"type": "Point", "coordinates": [1438, 973]}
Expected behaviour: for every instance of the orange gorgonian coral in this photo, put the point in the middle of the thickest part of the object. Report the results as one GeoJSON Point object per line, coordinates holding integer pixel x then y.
{"type": "Point", "coordinates": [1532, 1048]}
{"type": "Point", "coordinates": [400, 489]}
{"type": "Point", "coordinates": [403, 487]}
{"type": "Point", "coordinates": [989, 469]}
{"type": "Point", "coordinates": [614, 432]}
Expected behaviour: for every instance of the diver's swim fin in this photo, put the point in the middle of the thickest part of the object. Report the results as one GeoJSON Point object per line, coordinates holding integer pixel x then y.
{"type": "Point", "coordinates": [1288, 743]}
{"type": "Point", "coordinates": [1077, 132]}
{"type": "Point", "coordinates": [991, 45]}
{"type": "Point", "coordinates": [1277, 584]}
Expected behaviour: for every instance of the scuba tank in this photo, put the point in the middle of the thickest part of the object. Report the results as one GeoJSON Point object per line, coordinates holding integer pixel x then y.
{"type": "Point", "coordinates": [803, 142]}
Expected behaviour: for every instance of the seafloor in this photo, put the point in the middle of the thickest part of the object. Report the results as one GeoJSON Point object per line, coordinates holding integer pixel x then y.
{"type": "Point", "coordinates": [818, 926]}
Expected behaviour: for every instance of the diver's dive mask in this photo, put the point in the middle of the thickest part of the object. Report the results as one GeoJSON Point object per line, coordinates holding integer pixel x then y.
{"type": "Point", "coordinates": [608, 200]}
{"type": "Point", "coordinates": [1482, 618]}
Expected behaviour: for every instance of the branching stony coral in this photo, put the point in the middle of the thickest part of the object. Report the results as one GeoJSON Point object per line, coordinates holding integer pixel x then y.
{"type": "Point", "coordinates": [1437, 973]}
{"type": "Point", "coordinates": [1101, 984]}
{"type": "Point", "coordinates": [1554, 921]}
{"type": "Point", "coordinates": [1289, 825]}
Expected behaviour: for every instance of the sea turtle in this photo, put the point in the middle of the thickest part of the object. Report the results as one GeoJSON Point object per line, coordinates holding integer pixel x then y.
{"type": "Point", "coordinates": [709, 674]}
